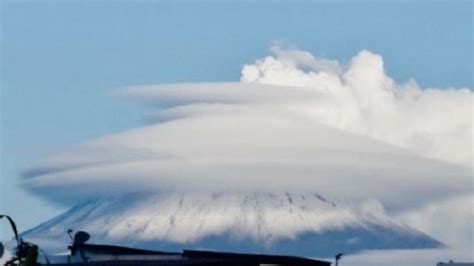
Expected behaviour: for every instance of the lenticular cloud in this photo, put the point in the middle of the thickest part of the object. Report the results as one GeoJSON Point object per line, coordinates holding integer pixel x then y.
{"type": "Point", "coordinates": [293, 122]}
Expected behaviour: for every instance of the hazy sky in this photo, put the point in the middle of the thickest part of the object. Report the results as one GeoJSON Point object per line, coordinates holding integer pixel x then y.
{"type": "Point", "coordinates": [60, 61]}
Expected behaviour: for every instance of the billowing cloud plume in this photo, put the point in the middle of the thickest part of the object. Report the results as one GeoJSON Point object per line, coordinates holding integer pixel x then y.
{"type": "Point", "coordinates": [293, 123]}
{"type": "Point", "coordinates": [436, 123]}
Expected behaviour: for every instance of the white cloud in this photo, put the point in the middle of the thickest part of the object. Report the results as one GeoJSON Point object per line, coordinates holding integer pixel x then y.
{"type": "Point", "coordinates": [294, 123]}
{"type": "Point", "coordinates": [450, 220]}
{"type": "Point", "coordinates": [433, 122]}
{"type": "Point", "coordinates": [246, 149]}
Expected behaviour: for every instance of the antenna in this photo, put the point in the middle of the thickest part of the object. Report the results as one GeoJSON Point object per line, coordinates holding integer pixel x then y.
{"type": "Point", "coordinates": [338, 257]}
{"type": "Point", "coordinates": [13, 225]}
{"type": "Point", "coordinates": [69, 232]}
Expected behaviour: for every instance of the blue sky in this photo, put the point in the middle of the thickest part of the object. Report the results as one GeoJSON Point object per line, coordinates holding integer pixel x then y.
{"type": "Point", "coordinates": [61, 61]}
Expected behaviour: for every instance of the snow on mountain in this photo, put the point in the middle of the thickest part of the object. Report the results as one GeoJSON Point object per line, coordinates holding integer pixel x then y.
{"type": "Point", "coordinates": [285, 223]}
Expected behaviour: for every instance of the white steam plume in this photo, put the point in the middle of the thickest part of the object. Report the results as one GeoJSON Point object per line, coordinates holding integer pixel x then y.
{"type": "Point", "coordinates": [435, 123]}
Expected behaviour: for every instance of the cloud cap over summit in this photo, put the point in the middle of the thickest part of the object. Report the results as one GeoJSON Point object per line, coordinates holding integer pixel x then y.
{"type": "Point", "coordinates": [295, 123]}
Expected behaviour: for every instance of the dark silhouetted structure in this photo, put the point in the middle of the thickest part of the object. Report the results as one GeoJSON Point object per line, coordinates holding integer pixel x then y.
{"type": "Point", "coordinates": [452, 263]}
{"type": "Point", "coordinates": [104, 255]}
{"type": "Point", "coordinates": [117, 255]}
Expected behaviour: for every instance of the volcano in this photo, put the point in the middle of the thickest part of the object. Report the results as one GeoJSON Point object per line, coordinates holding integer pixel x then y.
{"type": "Point", "coordinates": [302, 224]}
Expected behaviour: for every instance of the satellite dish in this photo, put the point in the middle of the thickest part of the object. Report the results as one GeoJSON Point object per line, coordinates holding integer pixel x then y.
{"type": "Point", "coordinates": [2, 250]}
{"type": "Point", "coordinates": [81, 237]}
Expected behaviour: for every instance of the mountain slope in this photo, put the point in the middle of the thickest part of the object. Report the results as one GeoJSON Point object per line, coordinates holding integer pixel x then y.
{"type": "Point", "coordinates": [297, 224]}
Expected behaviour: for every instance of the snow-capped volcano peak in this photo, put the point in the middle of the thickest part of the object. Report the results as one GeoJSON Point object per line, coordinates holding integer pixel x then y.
{"type": "Point", "coordinates": [252, 222]}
